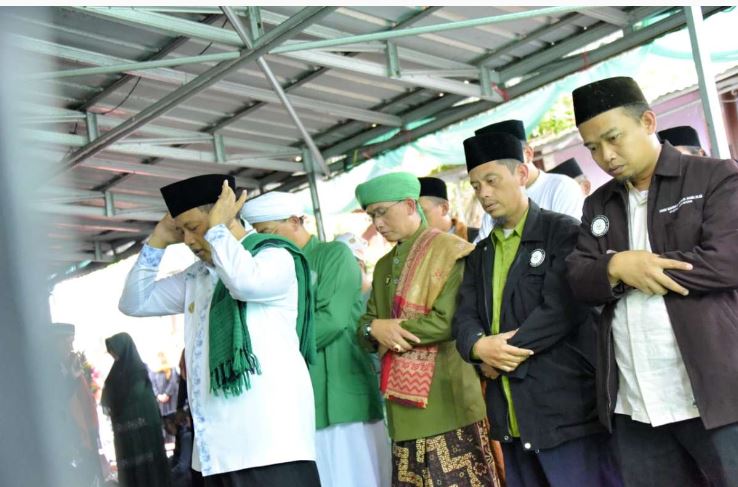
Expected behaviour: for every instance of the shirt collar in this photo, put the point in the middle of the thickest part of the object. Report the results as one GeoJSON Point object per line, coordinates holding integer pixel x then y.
{"type": "Point", "coordinates": [517, 230]}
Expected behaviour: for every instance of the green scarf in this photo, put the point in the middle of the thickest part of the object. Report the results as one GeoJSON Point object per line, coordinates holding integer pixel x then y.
{"type": "Point", "coordinates": [232, 360]}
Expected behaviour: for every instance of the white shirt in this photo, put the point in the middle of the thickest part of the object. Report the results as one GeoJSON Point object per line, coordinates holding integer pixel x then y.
{"type": "Point", "coordinates": [554, 192]}
{"type": "Point", "coordinates": [654, 386]}
{"type": "Point", "coordinates": [273, 421]}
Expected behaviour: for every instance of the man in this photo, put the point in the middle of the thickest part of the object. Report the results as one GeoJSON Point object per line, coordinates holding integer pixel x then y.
{"type": "Point", "coordinates": [248, 333]}
{"type": "Point", "coordinates": [552, 192]}
{"type": "Point", "coordinates": [535, 353]}
{"type": "Point", "coordinates": [435, 408]}
{"type": "Point", "coordinates": [570, 167]}
{"type": "Point", "coordinates": [437, 209]}
{"type": "Point", "coordinates": [684, 139]}
{"type": "Point", "coordinates": [352, 444]}
{"type": "Point", "coordinates": [657, 249]}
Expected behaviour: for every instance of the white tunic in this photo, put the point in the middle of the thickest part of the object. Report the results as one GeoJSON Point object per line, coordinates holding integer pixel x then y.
{"type": "Point", "coordinates": [273, 421]}
{"type": "Point", "coordinates": [553, 192]}
{"type": "Point", "coordinates": [653, 383]}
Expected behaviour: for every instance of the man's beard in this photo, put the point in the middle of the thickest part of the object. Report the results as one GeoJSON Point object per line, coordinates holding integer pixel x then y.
{"type": "Point", "coordinates": [500, 221]}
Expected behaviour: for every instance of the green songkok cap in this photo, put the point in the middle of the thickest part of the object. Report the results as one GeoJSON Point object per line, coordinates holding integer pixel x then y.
{"type": "Point", "coordinates": [396, 186]}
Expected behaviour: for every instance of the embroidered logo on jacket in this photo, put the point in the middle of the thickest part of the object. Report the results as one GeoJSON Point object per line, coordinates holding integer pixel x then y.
{"type": "Point", "coordinates": [687, 200]}
{"type": "Point", "coordinates": [537, 257]}
{"type": "Point", "coordinates": [600, 225]}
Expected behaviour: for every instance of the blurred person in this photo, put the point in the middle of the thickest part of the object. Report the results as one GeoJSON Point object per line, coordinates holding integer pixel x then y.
{"type": "Point", "coordinates": [570, 167]}
{"type": "Point", "coordinates": [358, 247]}
{"type": "Point", "coordinates": [684, 139]}
{"type": "Point", "coordinates": [352, 446]}
{"type": "Point", "coordinates": [182, 473]}
{"type": "Point", "coordinates": [129, 401]}
{"type": "Point", "coordinates": [656, 250]}
{"type": "Point", "coordinates": [165, 383]}
{"type": "Point", "coordinates": [437, 209]}
{"type": "Point", "coordinates": [78, 409]}
{"type": "Point", "coordinates": [552, 192]}
{"type": "Point", "coordinates": [248, 334]}
{"type": "Point", "coordinates": [435, 408]}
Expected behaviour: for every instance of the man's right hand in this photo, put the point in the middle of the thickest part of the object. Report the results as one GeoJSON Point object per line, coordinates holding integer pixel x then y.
{"type": "Point", "coordinates": [494, 351]}
{"type": "Point", "coordinates": [644, 271]}
{"type": "Point", "coordinates": [166, 233]}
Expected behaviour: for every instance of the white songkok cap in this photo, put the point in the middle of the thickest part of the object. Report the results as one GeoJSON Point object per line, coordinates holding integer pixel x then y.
{"type": "Point", "coordinates": [272, 206]}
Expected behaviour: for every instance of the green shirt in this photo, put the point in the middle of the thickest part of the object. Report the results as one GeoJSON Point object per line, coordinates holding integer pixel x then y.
{"type": "Point", "coordinates": [506, 248]}
{"type": "Point", "coordinates": [344, 380]}
{"type": "Point", "coordinates": [455, 398]}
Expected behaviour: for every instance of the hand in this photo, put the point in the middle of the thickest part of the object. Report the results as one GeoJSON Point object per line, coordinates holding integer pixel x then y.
{"type": "Point", "coordinates": [489, 372]}
{"type": "Point", "coordinates": [391, 335]}
{"type": "Point", "coordinates": [645, 271]}
{"type": "Point", "coordinates": [163, 398]}
{"type": "Point", "coordinates": [494, 351]}
{"type": "Point", "coordinates": [166, 233]}
{"type": "Point", "coordinates": [227, 206]}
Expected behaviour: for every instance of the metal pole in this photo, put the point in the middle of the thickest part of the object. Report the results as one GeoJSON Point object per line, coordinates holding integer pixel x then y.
{"type": "Point", "coordinates": [708, 89]}
{"type": "Point", "coordinates": [290, 28]}
{"type": "Point", "coordinates": [307, 160]}
{"type": "Point", "coordinates": [246, 38]}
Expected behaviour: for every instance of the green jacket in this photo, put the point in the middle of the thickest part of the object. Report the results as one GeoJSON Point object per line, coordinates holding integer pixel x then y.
{"type": "Point", "coordinates": [455, 398]}
{"type": "Point", "coordinates": [344, 381]}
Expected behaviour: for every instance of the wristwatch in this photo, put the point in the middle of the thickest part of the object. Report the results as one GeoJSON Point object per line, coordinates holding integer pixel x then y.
{"type": "Point", "coordinates": [367, 332]}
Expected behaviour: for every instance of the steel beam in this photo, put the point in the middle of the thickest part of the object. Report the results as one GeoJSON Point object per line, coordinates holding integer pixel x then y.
{"type": "Point", "coordinates": [711, 104]}
{"type": "Point", "coordinates": [162, 171]}
{"type": "Point", "coordinates": [290, 28]}
{"type": "Point", "coordinates": [175, 153]}
{"type": "Point", "coordinates": [414, 31]}
{"type": "Point", "coordinates": [181, 26]}
{"type": "Point", "coordinates": [611, 15]}
{"type": "Point", "coordinates": [248, 42]}
{"type": "Point", "coordinates": [179, 78]}
{"type": "Point", "coordinates": [161, 53]}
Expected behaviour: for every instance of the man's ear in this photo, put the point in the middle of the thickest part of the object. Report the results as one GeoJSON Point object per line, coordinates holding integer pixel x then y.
{"type": "Point", "coordinates": [522, 173]}
{"type": "Point", "coordinates": [528, 153]}
{"type": "Point", "coordinates": [648, 119]}
{"type": "Point", "coordinates": [446, 208]}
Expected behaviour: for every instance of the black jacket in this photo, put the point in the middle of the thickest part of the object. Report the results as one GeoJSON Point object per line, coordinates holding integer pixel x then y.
{"type": "Point", "coordinates": [553, 391]}
{"type": "Point", "coordinates": [692, 217]}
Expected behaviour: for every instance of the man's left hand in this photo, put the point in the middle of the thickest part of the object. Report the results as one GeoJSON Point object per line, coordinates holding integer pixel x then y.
{"type": "Point", "coordinates": [227, 206]}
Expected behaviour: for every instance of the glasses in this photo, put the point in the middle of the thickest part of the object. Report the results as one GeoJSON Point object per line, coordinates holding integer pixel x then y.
{"type": "Point", "coordinates": [380, 212]}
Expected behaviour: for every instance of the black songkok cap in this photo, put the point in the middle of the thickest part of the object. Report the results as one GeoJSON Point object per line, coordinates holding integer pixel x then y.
{"type": "Point", "coordinates": [433, 187]}
{"type": "Point", "coordinates": [682, 135]}
{"type": "Point", "coordinates": [491, 147]}
{"type": "Point", "coordinates": [512, 127]}
{"type": "Point", "coordinates": [569, 167]}
{"type": "Point", "coordinates": [193, 192]}
{"type": "Point", "coordinates": [603, 95]}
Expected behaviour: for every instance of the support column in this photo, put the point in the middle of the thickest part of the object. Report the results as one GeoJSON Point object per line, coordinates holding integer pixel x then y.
{"type": "Point", "coordinates": [307, 160]}
{"type": "Point", "coordinates": [708, 88]}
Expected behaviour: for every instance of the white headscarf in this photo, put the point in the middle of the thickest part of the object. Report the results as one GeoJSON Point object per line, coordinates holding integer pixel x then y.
{"type": "Point", "coordinates": [272, 206]}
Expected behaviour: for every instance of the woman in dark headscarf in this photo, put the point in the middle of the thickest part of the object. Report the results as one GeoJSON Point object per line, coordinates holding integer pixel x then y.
{"type": "Point", "coordinates": [129, 401]}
